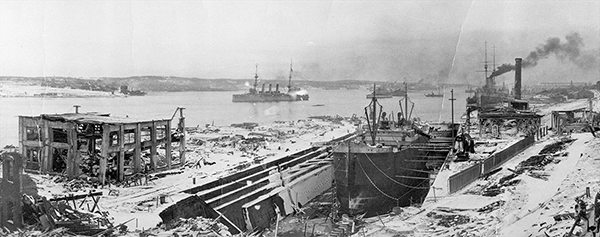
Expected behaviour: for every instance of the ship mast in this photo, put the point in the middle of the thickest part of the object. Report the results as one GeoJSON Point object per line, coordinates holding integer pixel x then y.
{"type": "Point", "coordinates": [485, 66]}
{"type": "Point", "coordinates": [374, 132]}
{"type": "Point", "coordinates": [290, 79]}
{"type": "Point", "coordinates": [494, 59]}
{"type": "Point", "coordinates": [256, 78]}
{"type": "Point", "coordinates": [406, 100]}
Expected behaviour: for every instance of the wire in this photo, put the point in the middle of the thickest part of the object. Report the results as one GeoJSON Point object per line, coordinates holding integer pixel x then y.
{"type": "Point", "coordinates": [385, 194]}
{"type": "Point", "coordinates": [393, 180]}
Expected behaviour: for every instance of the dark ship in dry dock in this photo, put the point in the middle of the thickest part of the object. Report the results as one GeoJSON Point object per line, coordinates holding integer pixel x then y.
{"type": "Point", "coordinates": [390, 164]}
{"type": "Point", "coordinates": [253, 95]}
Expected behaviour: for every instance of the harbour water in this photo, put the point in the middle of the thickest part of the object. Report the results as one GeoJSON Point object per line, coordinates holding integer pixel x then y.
{"type": "Point", "coordinates": [217, 108]}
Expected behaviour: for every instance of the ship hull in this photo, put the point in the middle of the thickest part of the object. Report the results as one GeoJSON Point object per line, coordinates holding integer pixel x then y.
{"type": "Point", "coordinates": [380, 96]}
{"type": "Point", "coordinates": [266, 97]}
{"type": "Point", "coordinates": [372, 180]}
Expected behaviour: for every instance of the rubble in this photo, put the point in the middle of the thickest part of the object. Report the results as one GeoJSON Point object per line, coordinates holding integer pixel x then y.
{"type": "Point", "coordinates": [557, 146]}
{"type": "Point", "coordinates": [198, 226]}
{"type": "Point", "coordinates": [492, 206]}
{"type": "Point", "coordinates": [448, 219]}
{"type": "Point", "coordinates": [44, 214]}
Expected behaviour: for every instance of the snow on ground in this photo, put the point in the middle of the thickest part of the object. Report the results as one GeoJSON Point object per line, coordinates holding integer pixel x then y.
{"type": "Point", "coordinates": [525, 209]}
{"type": "Point", "coordinates": [227, 152]}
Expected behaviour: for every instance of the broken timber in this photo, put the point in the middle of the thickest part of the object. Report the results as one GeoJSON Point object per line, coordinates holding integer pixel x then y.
{"type": "Point", "coordinates": [250, 199]}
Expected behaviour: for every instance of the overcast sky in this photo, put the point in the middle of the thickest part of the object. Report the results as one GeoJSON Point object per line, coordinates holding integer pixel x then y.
{"type": "Point", "coordinates": [371, 40]}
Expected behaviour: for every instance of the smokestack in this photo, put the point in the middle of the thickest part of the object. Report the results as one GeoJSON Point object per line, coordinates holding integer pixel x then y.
{"type": "Point", "coordinates": [269, 87]}
{"type": "Point", "coordinates": [276, 87]}
{"type": "Point", "coordinates": [518, 78]}
{"type": "Point", "coordinates": [263, 88]}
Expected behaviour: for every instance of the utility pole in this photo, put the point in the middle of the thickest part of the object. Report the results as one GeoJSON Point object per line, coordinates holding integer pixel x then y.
{"type": "Point", "coordinates": [452, 108]}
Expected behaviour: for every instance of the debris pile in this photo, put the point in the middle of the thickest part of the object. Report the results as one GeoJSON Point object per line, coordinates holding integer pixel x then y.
{"type": "Point", "coordinates": [491, 207]}
{"type": "Point", "coordinates": [57, 214]}
{"type": "Point", "coordinates": [74, 185]}
{"type": "Point", "coordinates": [198, 226]}
{"type": "Point", "coordinates": [557, 146]}
{"type": "Point", "coordinates": [534, 167]}
{"type": "Point", "coordinates": [58, 232]}
{"type": "Point", "coordinates": [448, 219]}
{"type": "Point", "coordinates": [498, 188]}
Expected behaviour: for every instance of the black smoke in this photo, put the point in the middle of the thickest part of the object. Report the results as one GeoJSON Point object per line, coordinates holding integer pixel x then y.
{"type": "Point", "coordinates": [504, 68]}
{"type": "Point", "coordinates": [567, 51]}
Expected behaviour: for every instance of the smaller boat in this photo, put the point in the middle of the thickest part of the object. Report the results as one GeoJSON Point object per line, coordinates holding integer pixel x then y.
{"type": "Point", "coordinates": [439, 94]}
{"type": "Point", "coordinates": [434, 95]}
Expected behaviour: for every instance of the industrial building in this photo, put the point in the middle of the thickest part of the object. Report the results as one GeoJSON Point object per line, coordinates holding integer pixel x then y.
{"type": "Point", "coordinates": [99, 146]}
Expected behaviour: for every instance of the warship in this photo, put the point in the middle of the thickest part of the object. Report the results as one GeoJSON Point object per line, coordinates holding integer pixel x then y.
{"type": "Point", "coordinates": [387, 163]}
{"type": "Point", "coordinates": [380, 93]}
{"type": "Point", "coordinates": [253, 95]}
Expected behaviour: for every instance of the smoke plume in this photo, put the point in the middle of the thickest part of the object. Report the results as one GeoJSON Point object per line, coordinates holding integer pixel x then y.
{"type": "Point", "coordinates": [504, 68]}
{"type": "Point", "coordinates": [569, 50]}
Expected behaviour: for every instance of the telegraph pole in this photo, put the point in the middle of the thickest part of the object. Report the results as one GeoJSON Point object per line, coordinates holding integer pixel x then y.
{"type": "Point", "coordinates": [452, 108]}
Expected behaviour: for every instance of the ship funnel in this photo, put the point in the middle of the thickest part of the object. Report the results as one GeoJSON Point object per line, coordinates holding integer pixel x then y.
{"type": "Point", "coordinates": [269, 87]}
{"type": "Point", "coordinates": [518, 78]}
{"type": "Point", "coordinates": [263, 88]}
{"type": "Point", "coordinates": [277, 87]}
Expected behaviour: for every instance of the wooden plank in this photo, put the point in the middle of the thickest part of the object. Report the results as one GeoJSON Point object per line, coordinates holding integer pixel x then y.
{"type": "Point", "coordinates": [76, 197]}
{"type": "Point", "coordinates": [59, 145]}
{"type": "Point", "coordinates": [30, 144]}
{"type": "Point", "coordinates": [59, 125]}
{"type": "Point", "coordinates": [125, 147]}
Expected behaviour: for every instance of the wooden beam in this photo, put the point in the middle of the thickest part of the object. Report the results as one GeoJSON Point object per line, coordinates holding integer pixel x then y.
{"type": "Point", "coordinates": [121, 157]}
{"type": "Point", "coordinates": [153, 146]}
{"type": "Point", "coordinates": [72, 164]}
{"type": "Point", "coordinates": [168, 154]}
{"type": "Point", "coordinates": [48, 142]}
{"type": "Point", "coordinates": [183, 137]}
{"type": "Point", "coordinates": [22, 135]}
{"type": "Point", "coordinates": [138, 148]}
{"type": "Point", "coordinates": [104, 152]}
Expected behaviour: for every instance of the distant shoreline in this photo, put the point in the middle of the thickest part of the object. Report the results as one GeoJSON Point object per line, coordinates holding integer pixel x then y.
{"type": "Point", "coordinates": [15, 90]}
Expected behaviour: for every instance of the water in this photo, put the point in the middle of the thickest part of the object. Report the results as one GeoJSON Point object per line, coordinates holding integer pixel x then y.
{"type": "Point", "coordinates": [216, 107]}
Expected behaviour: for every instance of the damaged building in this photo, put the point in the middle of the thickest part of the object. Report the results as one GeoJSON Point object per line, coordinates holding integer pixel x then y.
{"type": "Point", "coordinates": [100, 147]}
{"type": "Point", "coordinates": [575, 120]}
{"type": "Point", "coordinates": [498, 111]}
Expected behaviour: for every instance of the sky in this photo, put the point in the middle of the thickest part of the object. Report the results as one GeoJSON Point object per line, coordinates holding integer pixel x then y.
{"type": "Point", "coordinates": [325, 40]}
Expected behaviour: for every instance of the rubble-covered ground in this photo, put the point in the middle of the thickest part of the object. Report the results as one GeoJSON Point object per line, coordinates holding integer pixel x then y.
{"type": "Point", "coordinates": [534, 194]}
{"type": "Point", "coordinates": [211, 152]}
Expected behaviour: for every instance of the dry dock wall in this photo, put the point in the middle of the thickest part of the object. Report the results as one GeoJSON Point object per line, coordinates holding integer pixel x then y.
{"type": "Point", "coordinates": [251, 199]}
{"type": "Point", "coordinates": [460, 180]}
